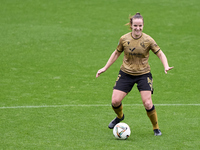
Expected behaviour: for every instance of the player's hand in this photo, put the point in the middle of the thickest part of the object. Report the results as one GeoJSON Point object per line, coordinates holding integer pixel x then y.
{"type": "Point", "coordinates": [100, 71]}
{"type": "Point", "coordinates": [167, 69]}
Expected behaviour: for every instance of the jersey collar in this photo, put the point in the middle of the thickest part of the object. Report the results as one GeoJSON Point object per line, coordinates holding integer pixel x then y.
{"type": "Point", "coordinates": [136, 38]}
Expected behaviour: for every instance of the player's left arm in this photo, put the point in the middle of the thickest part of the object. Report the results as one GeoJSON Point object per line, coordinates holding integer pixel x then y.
{"type": "Point", "coordinates": [164, 61]}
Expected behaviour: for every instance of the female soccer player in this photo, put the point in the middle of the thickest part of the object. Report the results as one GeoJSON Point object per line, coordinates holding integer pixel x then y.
{"type": "Point", "coordinates": [135, 69]}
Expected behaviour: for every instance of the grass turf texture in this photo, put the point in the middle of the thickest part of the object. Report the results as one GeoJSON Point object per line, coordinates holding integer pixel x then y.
{"type": "Point", "coordinates": [50, 53]}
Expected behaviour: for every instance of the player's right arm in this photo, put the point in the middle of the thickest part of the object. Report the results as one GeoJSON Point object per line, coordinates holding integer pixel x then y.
{"type": "Point", "coordinates": [110, 61]}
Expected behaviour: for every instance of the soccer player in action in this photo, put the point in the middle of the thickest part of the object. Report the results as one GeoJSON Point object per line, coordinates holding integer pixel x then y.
{"type": "Point", "coordinates": [135, 69]}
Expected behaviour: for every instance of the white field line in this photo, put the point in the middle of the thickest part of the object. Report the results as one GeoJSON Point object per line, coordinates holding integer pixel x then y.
{"type": "Point", "coordinates": [91, 105]}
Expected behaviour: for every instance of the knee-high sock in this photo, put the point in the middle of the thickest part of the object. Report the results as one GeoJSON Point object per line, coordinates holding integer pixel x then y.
{"type": "Point", "coordinates": [118, 111]}
{"type": "Point", "coordinates": [153, 117]}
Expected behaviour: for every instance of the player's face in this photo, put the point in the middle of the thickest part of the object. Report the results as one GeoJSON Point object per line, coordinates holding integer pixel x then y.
{"type": "Point", "coordinates": [137, 27]}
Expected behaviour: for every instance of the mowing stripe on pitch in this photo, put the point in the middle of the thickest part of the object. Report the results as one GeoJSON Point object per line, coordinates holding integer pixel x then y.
{"type": "Point", "coordinates": [91, 105]}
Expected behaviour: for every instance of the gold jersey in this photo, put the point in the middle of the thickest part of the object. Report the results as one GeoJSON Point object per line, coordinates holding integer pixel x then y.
{"type": "Point", "coordinates": [136, 53]}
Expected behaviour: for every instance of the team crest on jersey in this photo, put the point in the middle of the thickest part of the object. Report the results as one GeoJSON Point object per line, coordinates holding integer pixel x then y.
{"type": "Point", "coordinates": [142, 44]}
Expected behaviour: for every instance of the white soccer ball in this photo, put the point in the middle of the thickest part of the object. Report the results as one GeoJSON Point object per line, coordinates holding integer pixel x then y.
{"type": "Point", "coordinates": [121, 131]}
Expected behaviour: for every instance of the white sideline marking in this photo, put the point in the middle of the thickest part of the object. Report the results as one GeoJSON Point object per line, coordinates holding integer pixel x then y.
{"type": "Point", "coordinates": [92, 105]}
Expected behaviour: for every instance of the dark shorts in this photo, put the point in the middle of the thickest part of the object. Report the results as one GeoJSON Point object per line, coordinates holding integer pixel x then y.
{"type": "Point", "coordinates": [125, 82]}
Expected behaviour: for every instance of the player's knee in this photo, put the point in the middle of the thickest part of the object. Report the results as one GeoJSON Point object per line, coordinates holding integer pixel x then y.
{"type": "Point", "coordinates": [116, 101]}
{"type": "Point", "coordinates": [148, 104]}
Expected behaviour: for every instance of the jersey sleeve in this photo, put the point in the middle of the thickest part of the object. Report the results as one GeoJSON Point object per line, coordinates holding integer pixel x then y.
{"type": "Point", "coordinates": [154, 47]}
{"type": "Point", "coordinates": [120, 45]}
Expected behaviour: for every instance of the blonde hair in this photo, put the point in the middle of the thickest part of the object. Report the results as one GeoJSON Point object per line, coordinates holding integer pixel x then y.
{"type": "Point", "coordinates": [136, 16]}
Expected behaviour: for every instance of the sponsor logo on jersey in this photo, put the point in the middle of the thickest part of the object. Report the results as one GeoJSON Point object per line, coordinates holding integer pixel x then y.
{"type": "Point", "coordinates": [132, 49]}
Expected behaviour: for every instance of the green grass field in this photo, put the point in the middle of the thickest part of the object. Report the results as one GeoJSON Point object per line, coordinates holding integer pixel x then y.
{"type": "Point", "coordinates": [50, 53]}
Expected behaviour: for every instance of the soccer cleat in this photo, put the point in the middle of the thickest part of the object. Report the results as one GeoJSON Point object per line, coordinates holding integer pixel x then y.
{"type": "Point", "coordinates": [114, 122]}
{"type": "Point", "coordinates": [157, 132]}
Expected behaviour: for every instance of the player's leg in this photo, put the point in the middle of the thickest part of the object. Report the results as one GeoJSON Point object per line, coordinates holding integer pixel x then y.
{"type": "Point", "coordinates": [117, 98]}
{"type": "Point", "coordinates": [145, 86]}
{"type": "Point", "coordinates": [146, 99]}
{"type": "Point", "coordinates": [151, 111]}
{"type": "Point", "coordinates": [122, 86]}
